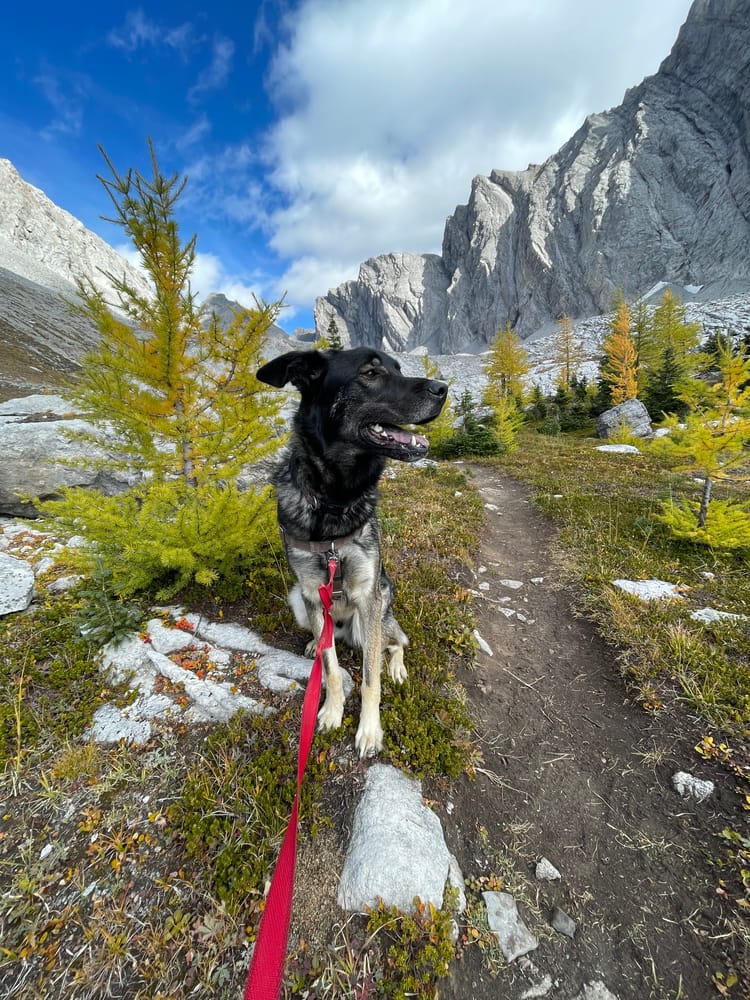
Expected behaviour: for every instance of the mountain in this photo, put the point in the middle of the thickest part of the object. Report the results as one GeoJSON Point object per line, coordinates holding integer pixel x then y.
{"type": "Point", "coordinates": [655, 190]}
{"type": "Point", "coordinates": [44, 251]}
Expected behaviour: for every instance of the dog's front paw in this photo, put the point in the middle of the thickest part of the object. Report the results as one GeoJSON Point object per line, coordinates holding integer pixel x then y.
{"type": "Point", "coordinates": [330, 715]}
{"type": "Point", "coordinates": [397, 668]}
{"type": "Point", "coordinates": [369, 739]}
{"type": "Point", "coordinates": [311, 649]}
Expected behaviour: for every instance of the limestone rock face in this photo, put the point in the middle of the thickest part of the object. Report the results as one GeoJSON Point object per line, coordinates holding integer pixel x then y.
{"type": "Point", "coordinates": [50, 247]}
{"type": "Point", "coordinates": [655, 190]}
{"type": "Point", "coordinates": [398, 302]}
{"type": "Point", "coordinates": [35, 445]}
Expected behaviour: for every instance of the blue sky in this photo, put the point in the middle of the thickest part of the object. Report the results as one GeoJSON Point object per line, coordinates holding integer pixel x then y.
{"type": "Point", "coordinates": [314, 133]}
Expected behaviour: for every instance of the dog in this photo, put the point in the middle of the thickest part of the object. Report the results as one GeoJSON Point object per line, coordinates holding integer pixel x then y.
{"type": "Point", "coordinates": [353, 405]}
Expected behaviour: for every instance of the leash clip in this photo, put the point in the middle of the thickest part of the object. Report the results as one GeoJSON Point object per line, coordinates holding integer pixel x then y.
{"type": "Point", "coordinates": [337, 581]}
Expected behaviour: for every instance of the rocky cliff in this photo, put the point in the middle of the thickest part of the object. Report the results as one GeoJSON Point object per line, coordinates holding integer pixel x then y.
{"type": "Point", "coordinates": [655, 190]}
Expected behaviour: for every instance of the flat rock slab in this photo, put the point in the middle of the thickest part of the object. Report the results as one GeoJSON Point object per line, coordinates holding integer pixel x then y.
{"type": "Point", "coordinates": [16, 584]}
{"type": "Point", "coordinates": [649, 590]}
{"type": "Point", "coordinates": [514, 937]}
{"type": "Point", "coordinates": [200, 684]}
{"type": "Point", "coordinates": [397, 850]}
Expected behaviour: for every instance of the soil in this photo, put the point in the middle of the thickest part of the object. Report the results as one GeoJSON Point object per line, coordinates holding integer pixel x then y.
{"type": "Point", "coordinates": [577, 771]}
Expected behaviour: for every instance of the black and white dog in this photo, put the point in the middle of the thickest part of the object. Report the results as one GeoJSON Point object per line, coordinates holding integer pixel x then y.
{"type": "Point", "coordinates": [353, 406]}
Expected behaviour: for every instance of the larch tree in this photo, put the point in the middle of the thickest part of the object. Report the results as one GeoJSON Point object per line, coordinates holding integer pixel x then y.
{"type": "Point", "coordinates": [568, 353]}
{"type": "Point", "coordinates": [173, 400]}
{"type": "Point", "coordinates": [712, 442]}
{"type": "Point", "coordinates": [505, 367]}
{"type": "Point", "coordinates": [620, 367]}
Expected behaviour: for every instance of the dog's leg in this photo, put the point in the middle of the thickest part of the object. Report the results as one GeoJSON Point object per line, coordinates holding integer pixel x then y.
{"type": "Point", "coordinates": [332, 712]}
{"type": "Point", "coordinates": [369, 738]}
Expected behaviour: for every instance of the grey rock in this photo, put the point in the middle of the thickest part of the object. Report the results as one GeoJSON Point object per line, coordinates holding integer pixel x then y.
{"type": "Point", "coordinates": [110, 725]}
{"type": "Point", "coordinates": [709, 616]}
{"type": "Point", "coordinates": [595, 990]}
{"type": "Point", "coordinates": [619, 449]}
{"type": "Point", "coordinates": [546, 871]}
{"type": "Point", "coordinates": [631, 415]}
{"type": "Point", "coordinates": [16, 584]}
{"type": "Point", "coordinates": [656, 190]}
{"type": "Point", "coordinates": [397, 850]}
{"type": "Point", "coordinates": [513, 935]}
{"type": "Point", "coordinates": [690, 787]}
{"type": "Point", "coordinates": [562, 923]}
{"type": "Point", "coordinates": [63, 584]}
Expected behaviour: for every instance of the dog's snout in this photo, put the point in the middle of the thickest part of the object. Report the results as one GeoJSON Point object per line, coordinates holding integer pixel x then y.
{"type": "Point", "coordinates": [439, 389]}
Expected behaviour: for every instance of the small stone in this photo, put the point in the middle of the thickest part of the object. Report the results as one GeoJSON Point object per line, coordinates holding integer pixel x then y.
{"type": "Point", "coordinates": [546, 871]}
{"type": "Point", "coordinates": [539, 990]}
{"type": "Point", "coordinates": [619, 449]}
{"type": "Point", "coordinates": [63, 584]}
{"type": "Point", "coordinates": [562, 923]}
{"type": "Point", "coordinates": [710, 615]}
{"type": "Point", "coordinates": [483, 644]}
{"type": "Point", "coordinates": [513, 935]}
{"type": "Point", "coordinates": [484, 586]}
{"type": "Point", "coordinates": [690, 787]}
{"type": "Point", "coordinates": [595, 991]}
{"type": "Point", "coordinates": [537, 580]}
{"type": "Point", "coordinates": [511, 584]}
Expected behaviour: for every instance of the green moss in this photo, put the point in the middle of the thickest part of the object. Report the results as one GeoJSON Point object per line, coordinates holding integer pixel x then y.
{"type": "Point", "coordinates": [235, 803]}
{"type": "Point", "coordinates": [417, 948]}
{"type": "Point", "coordinates": [50, 684]}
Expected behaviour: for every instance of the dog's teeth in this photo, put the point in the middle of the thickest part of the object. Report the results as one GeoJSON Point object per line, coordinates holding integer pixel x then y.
{"type": "Point", "coordinates": [413, 441]}
{"type": "Point", "coordinates": [377, 428]}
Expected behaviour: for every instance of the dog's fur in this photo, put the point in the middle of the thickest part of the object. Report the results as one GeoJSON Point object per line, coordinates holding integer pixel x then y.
{"type": "Point", "coordinates": [348, 424]}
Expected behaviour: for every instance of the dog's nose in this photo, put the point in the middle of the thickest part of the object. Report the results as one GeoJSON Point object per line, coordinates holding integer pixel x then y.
{"type": "Point", "coordinates": [438, 388]}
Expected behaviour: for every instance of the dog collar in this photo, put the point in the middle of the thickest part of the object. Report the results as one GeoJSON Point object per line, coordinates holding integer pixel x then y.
{"type": "Point", "coordinates": [328, 546]}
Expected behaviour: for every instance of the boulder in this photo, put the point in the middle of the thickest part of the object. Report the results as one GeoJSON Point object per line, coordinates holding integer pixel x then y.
{"type": "Point", "coordinates": [397, 850]}
{"type": "Point", "coordinates": [631, 415]}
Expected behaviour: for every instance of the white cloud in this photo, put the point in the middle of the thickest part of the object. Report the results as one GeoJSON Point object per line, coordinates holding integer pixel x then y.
{"type": "Point", "coordinates": [387, 110]}
{"type": "Point", "coordinates": [216, 74]}
{"type": "Point", "coordinates": [209, 275]}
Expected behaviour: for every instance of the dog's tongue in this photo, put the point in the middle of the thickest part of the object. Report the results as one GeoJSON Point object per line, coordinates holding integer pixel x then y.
{"type": "Point", "coordinates": [408, 438]}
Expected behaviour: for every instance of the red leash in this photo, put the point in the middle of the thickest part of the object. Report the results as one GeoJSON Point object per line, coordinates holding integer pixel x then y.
{"type": "Point", "coordinates": [267, 966]}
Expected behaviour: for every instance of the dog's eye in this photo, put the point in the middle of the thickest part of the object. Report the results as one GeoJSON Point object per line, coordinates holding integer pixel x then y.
{"type": "Point", "coordinates": [371, 373]}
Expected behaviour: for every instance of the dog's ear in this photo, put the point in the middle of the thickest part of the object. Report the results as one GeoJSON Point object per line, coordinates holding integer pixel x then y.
{"type": "Point", "coordinates": [301, 368]}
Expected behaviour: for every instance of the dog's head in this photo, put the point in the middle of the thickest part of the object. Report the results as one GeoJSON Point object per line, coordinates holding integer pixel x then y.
{"type": "Point", "coordinates": [359, 397]}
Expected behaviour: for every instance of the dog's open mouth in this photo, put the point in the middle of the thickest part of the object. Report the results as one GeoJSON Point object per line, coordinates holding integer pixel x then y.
{"type": "Point", "coordinates": [400, 443]}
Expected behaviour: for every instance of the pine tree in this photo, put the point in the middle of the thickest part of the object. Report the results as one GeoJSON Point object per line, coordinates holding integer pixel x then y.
{"type": "Point", "coordinates": [620, 367]}
{"type": "Point", "coordinates": [712, 442]}
{"type": "Point", "coordinates": [334, 337]}
{"type": "Point", "coordinates": [661, 395]}
{"type": "Point", "coordinates": [173, 398]}
{"type": "Point", "coordinates": [505, 367]}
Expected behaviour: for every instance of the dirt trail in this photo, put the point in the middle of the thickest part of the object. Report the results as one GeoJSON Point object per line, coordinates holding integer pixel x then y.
{"type": "Point", "coordinates": [582, 776]}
